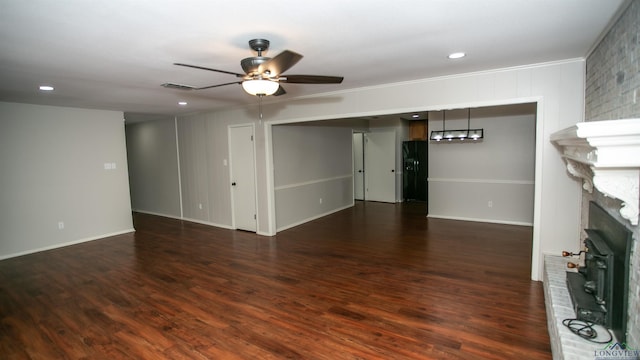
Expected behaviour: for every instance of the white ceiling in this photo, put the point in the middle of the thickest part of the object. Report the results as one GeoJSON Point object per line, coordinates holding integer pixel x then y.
{"type": "Point", "coordinates": [115, 54]}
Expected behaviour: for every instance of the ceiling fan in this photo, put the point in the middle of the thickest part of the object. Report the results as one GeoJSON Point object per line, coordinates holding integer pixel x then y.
{"type": "Point", "coordinates": [263, 75]}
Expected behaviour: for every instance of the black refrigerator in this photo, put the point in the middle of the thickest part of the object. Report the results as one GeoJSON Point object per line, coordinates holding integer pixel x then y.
{"type": "Point", "coordinates": [414, 173]}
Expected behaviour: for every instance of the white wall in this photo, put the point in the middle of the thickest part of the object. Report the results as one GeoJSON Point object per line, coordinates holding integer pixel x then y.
{"type": "Point", "coordinates": [53, 170]}
{"type": "Point", "coordinates": [153, 166]}
{"type": "Point", "coordinates": [312, 172]}
{"type": "Point", "coordinates": [490, 180]}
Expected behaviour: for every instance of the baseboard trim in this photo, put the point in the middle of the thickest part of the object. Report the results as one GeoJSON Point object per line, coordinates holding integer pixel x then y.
{"type": "Point", "coordinates": [197, 221]}
{"type": "Point", "coordinates": [313, 218]}
{"type": "Point", "coordinates": [207, 223]}
{"type": "Point", "coordinates": [157, 214]}
{"type": "Point", "coordinates": [74, 242]}
{"type": "Point", "coordinates": [492, 221]}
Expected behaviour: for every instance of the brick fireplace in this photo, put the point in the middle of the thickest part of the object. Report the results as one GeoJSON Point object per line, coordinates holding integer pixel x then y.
{"type": "Point", "coordinates": [605, 156]}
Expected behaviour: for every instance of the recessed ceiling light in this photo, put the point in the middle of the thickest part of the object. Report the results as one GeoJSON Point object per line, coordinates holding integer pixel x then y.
{"type": "Point", "coordinates": [182, 103]}
{"type": "Point", "coordinates": [457, 55]}
{"type": "Point", "coordinates": [46, 88]}
{"type": "Point", "coordinates": [415, 116]}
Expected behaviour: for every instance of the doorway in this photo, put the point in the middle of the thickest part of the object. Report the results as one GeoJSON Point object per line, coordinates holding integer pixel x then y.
{"type": "Point", "coordinates": [374, 162]}
{"type": "Point", "coordinates": [380, 166]}
{"type": "Point", "coordinates": [242, 170]}
{"type": "Point", "coordinates": [358, 166]}
{"type": "Point", "coordinates": [362, 125]}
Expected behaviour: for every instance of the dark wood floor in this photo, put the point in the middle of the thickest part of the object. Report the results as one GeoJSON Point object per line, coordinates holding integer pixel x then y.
{"type": "Point", "coordinates": [378, 281]}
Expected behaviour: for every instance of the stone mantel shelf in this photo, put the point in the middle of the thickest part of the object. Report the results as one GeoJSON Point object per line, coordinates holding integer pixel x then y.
{"type": "Point", "coordinates": [605, 154]}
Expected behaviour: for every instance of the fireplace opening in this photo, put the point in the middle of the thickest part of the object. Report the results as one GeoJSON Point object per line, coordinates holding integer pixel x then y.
{"type": "Point", "coordinates": [599, 290]}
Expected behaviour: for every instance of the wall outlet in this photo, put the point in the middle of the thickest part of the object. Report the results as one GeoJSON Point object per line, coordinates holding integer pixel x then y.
{"type": "Point", "coordinates": [490, 204]}
{"type": "Point", "coordinates": [320, 200]}
{"type": "Point", "coordinates": [200, 206]}
{"type": "Point", "coordinates": [60, 225]}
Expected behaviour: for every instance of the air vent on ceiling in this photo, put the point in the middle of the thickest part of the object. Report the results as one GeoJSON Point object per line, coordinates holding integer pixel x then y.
{"type": "Point", "coordinates": [177, 86]}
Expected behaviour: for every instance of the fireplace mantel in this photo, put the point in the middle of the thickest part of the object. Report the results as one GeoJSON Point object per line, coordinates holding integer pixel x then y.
{"type": "Point", "coordinates": [605, 154]}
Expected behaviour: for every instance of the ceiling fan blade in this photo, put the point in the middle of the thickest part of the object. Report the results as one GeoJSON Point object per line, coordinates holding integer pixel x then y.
{"type": "Point", "coordinates": [218, 85]}
{"type": "Point", "coordinates": [280, 63]}
{"type": "Point", "coordinates": [280, 91]}
{"type": "Point", "coordinates": [210, 69]}
{"type": "Point", "coordinates": [311, 79]}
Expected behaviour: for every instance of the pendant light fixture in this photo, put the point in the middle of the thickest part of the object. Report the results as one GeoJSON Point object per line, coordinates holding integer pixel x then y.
{"type": "Point", "coordinates": [460, 134]}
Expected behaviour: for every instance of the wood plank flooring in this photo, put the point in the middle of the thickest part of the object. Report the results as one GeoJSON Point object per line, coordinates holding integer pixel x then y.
{"type": "Point", "coordinates": [377, 281]}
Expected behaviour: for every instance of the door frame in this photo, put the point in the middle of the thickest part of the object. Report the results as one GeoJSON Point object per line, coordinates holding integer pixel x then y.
{"type": "Point", "coordinates": [364, 171]}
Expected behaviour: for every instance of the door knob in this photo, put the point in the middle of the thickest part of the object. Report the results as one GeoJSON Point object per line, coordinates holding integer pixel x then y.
{"type": "Point", "coordinates": [233, 183]}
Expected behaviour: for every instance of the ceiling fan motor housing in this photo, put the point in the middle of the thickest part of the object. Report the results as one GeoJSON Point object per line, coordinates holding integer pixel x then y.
{"type": "Point", "coordinates": [259, 45]}
{"type": "Point", "coordinates": [250, 65]}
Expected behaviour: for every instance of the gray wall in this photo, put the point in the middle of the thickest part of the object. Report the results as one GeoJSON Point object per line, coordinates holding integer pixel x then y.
{"type": "Point", "coordinates": [612, 78]}
{"type": "Point", "coordinates": [194, 169]}
{"type": "Point", "coordinates": [179, 167]}
{"type": "Point", "coordinates": [465, 176]}
{"type": "Point", "coordinates": [192, 174]}
{"type": "Point", "coordinates": [312, 172]}
{"type": "Point", "coordinates": [153, 166]}
{"type": "Point", "coordinates": [57, 166]}
{"type": "Point", "coordinates": [204, 172]}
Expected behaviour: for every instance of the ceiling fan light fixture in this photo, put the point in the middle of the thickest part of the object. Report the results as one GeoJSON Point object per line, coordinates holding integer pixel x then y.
{"type": "Point", "coordinates": [260, 87]}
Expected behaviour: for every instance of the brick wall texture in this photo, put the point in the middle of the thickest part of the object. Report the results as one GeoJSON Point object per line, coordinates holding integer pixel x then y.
{"type": "Point", "coordinates": [613, 92]}
{"type": "Point", "coordinates": [613, 71]}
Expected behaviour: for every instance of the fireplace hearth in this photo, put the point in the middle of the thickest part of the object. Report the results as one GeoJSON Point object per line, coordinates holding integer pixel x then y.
{"type": "Point", "coordinates": [599, 289]}
{"type": "Point", "coordinates": [605, 156]}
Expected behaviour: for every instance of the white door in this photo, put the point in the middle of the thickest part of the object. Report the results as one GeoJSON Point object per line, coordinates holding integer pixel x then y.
{"type": "Point", "coordinates": [243, 177]}
{"type": "Point", "coordinates": [358, 166]}
{"type": "Point", "coordinates": [380, 163]}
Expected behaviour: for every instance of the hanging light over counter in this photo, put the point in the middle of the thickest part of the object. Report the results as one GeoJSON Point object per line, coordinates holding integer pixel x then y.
{"type": "Point", "coordinates": [458, 135]}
